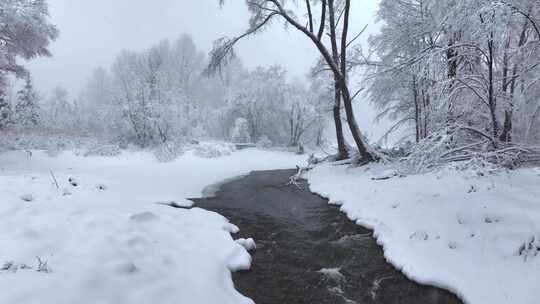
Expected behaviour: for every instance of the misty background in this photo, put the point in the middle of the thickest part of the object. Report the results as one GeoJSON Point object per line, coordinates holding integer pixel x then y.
{"type": "Point", "coordinates": [93, 33]}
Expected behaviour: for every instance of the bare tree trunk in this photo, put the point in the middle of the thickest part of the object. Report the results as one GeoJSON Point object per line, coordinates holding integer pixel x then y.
{"type": "Point", "coordinates": [417, 110]}
{"type": "Point", "coordinates": [365, 155]}
{"type": "Point", "coordinates": [291, 129]}
{"type": "Point", "coordinates": [506, 135]}
{"type": "Point", "coordinates": [339, 70]}
{"type": "Point", "coordinates": [343, 153]}
{"type": "Point", "coordinates": [492, 101]}
{"type": "Point", "coordinates": [342, 146]}
{"type": "Point", "coordinates": [532, 122]}
{"type": "Point", "coordinates": [426, 112]}
{"type": "Point", "coordinates": [507, 126]}
{"type": "Point", "coordinates": [453, 67]}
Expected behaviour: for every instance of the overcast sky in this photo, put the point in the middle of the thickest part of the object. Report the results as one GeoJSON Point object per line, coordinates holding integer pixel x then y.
{"type": "Point", "coordinates": [92, 32]}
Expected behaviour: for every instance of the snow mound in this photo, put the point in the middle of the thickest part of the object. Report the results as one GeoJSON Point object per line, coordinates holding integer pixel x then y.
{"type": "Point", "coordinates": [143, 217]}
{"type": "Point", "coordinates": [168, 152]}
{"type": "Point", "coordinates": [264, 142]}
{"type": "Point", "coordinates": [230, 228]}
{"type": "Point", "coordinates": [239, 259]}
{"type": "Point", "coordinates": [248, 244]}
{"type": "Point", "coordinates": [52, 141]}
{"type": "Point", "coordinates": [103, 150]}
{"type": "Point", "coordinates": [530, 249]}
{"type": "Point", "coordinates": [118, 246]}
{"type": "Point", "coordinates": [213, 150]}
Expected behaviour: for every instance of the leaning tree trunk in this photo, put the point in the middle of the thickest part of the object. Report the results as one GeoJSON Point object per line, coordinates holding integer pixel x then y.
{"type": "Point", "coordinates": [365, 155]}
{"type": "Point", "coordinates": [343, 153]}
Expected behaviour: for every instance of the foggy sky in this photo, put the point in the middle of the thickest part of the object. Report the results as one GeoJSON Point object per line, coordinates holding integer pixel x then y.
{"type": "Point", "coordinates": [93, 32]}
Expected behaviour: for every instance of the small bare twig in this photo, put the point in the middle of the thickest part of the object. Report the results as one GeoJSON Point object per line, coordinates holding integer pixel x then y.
{"type": "Point", "coordinates": [55, 181]}
{"type": "Point", "coordinates": [295, 179]}
{"type": "Point", "coordinates": [42, 265]}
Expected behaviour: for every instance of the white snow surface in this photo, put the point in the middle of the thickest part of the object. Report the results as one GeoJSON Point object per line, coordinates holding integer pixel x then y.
{"type": "Point", "coordinates": [248, 244]}
{"type": "Point", "coordinates": [107, 240]}
{"type": "Point", "coordinates": [451, 228]}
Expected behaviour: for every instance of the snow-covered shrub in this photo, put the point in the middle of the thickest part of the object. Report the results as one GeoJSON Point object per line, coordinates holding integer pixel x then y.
{"type": "Point", "coordinates": [168, 151]}
{"type": "Point", "coordinates": [103, 150]}
{"type": "Point", "coordinates": [264, 142]}
{"type": "Point", "coordinates": [240, 131]}
{"type": "Point", "coordinates": [530, 249]}
{"type": "Point", "coordinates": [296, 149]}
{"type": "Point", "coordinates": [426, 154]}
{"type": "Point", "coordinates": [14, 267]}
{"type": "Point", "coordinates": [213, 150]}
{"type": "Point", "coordinates": [9, 266]}
{"type": "Point", "coordinates": [60, 142]}
{"type": "Point", "coordinates": [43, 265]}
{"type": "Point", "coordinates": [52, 141]}
{"type": "Point", "coordinates": [441, 148]}
{"type": "Point", "coordinates": [477, 166]}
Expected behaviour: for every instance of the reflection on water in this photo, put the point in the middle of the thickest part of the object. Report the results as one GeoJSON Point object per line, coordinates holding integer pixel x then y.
{"type": "Point", "coordinates": [307, 251]}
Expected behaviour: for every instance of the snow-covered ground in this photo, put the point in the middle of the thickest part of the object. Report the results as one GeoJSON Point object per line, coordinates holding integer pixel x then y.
{"type": "Point", "coordinates": [103, 236]}
{"type": "Point", "coordinates": [478, 236]}
{"type": "Point", "coordinates": [106, 234]}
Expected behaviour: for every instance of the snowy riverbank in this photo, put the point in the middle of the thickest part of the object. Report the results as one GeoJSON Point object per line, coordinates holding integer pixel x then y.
{"type": "Point", "coordinates": [106, 239]}
{"type": "Point", "coordinates": [477, 236]}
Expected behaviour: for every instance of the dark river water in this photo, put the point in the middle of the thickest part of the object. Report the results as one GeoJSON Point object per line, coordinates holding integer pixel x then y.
{"type": "Point", "coordinates": [307, 251]}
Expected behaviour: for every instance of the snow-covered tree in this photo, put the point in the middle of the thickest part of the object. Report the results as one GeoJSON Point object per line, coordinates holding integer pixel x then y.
{"type": "Point", "coordinates": [5, 110]}
{"type": "Point", "coordinates": [303, 17]}
{"type": "Point", "coordinates": [157, 90]}
{"type": "Point", "coordinates": [27, 105]}
{"type": "Point", "coordinates": [240, 131]}
{"type": "Point", "coordinates": [5, 106]}
{"type": "Point", "coordinates": [58, 112]}
{"type": "Point", "coordinates": [25, 31]}
{"type": "Point", "coordinates": [259, 98]}
{"type": "Point", "coordinates": [301, 112]}
{"type": "Point", "coordinates": [465, 71]}
{"type": "Point", "coordinates": [161, 94]}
